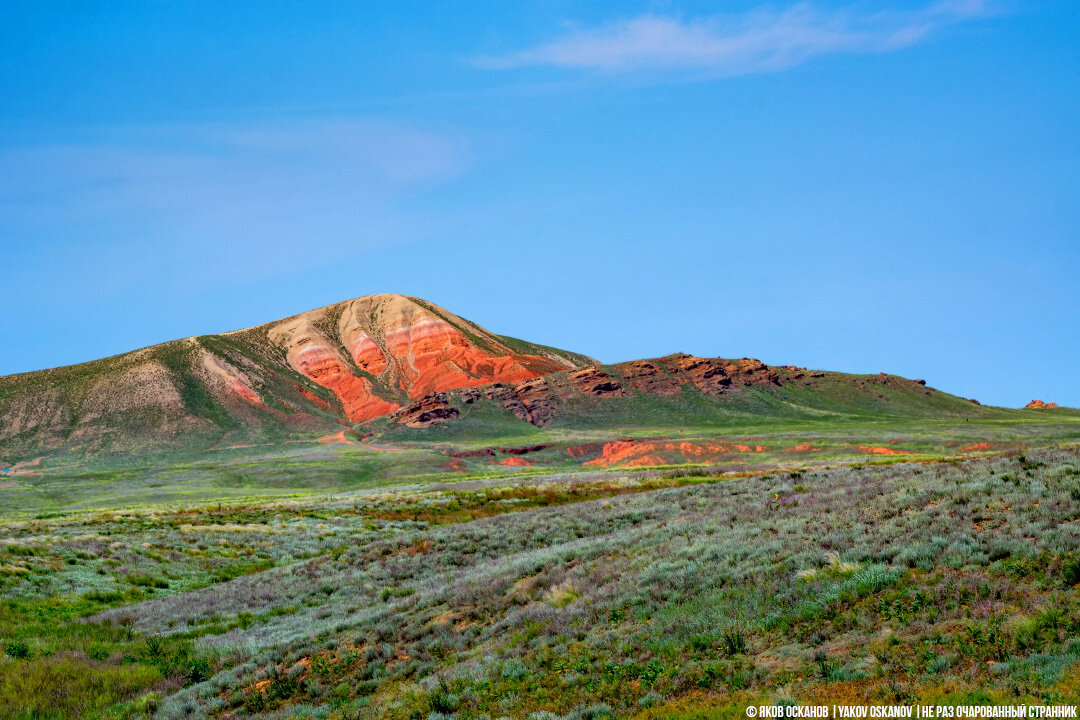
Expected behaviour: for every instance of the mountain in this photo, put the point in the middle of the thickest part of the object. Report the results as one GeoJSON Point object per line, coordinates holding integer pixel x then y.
{"type": "Point", "coordinates": [398, 368]}
{"type": "Point", "coordinates": [340, 364]}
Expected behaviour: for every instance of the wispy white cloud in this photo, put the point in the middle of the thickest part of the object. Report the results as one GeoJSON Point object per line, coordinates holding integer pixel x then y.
{"type": "Point", "coordinates": [757, 42]}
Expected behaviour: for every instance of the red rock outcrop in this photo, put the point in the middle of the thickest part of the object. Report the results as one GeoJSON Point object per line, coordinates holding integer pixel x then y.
{"type": "Point", "coordinates": [429, 411]}
{"type": "Point", "coordinates": [1040, 405]}
{"type": "Point", "coordinates": [668, 375]}
{"type": "Point", "coordinates": [646, 376]}
{"type": "Point", "coordinates": [874, 450]}
{"type": "Point", "coordinates": [597, 383]}
{"type": "Point", "coordinates": [648, 452]}
{"type": "Point", "coordinates": [576, 451]}
{"type": "Point", "coordinates": [536, 400]}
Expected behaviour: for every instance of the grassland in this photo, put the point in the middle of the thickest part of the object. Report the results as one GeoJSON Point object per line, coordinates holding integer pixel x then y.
{"type": "Point", "coordinates": [361, 581]}
{"type": "Point", "coordinates": [396, 456]}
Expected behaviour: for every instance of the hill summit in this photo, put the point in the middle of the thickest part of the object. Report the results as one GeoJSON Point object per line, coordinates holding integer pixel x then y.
{"type": "Point", "coordinates": [374, 351]}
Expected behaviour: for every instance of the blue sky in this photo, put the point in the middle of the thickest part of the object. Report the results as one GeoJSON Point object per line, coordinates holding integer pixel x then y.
{"type": "Point", "coordinates": [860, 186]}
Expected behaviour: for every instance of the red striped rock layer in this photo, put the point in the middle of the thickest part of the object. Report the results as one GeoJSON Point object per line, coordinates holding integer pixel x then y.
{"type": "Point", "coordinates": [356, 394]}
{"type": "Point", "coordinates": [377, 352]}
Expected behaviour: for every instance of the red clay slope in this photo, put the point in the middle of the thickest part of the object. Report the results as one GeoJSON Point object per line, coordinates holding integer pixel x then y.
{"type": "Point", "coordinates": [377, 352]}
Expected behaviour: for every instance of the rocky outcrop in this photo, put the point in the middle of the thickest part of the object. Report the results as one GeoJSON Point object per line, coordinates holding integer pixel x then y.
{"type": "Point", "coordinates": [537, 401]}
{"type": "Point", "coordinates": [528, 401]}
{"type": "Point", "coordinates": [648, 376]}
{"type": "Point", "coordinates": [715, 376]}
{"type": "Point", "coordinates": [424, 413]}
{"type": "Point", "coordinates": [516, 462]}
{"type": "Point", "coordinates": [523, 450]}
{"type": "Point", "coordinates": [1040, 405]}
{"type": "Point", "coordinates": [491, 453]}
{"type": "Point", "coordinates": [597, 383]}
{"type": "Point", "coordinates": [669, 375]}
{"type": "Point", "coordinates": [707, 375]}
{"type": "Point", "coordinates": [631, 453]}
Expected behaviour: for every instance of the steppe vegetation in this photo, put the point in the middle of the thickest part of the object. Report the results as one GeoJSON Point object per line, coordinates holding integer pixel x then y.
{"type": "Point", "coordinates": [654, 593]}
